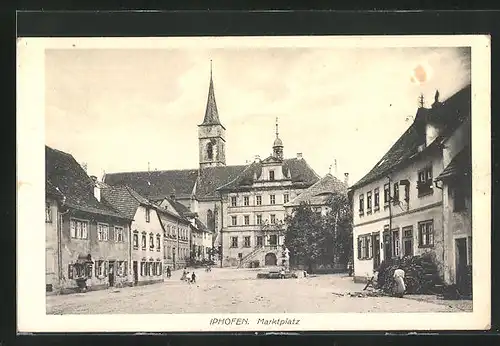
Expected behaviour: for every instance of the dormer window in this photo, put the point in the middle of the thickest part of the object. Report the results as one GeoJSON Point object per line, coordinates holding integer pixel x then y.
{"type": "Point", "coordinates": [395, 194]}
{"type": "Point", "coordinates": [361, 204]}
{"type": "Point", "coordinates": [424, 183]}
{"type": "Point", "coordinates": [271, 175]}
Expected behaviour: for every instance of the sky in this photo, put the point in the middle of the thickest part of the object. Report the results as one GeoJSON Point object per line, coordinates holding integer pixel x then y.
{"type": "Point", "coordinates": [123, 110]}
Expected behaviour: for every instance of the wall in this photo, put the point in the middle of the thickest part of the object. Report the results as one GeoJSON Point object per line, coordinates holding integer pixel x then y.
{"type": "Point", "coordinates": [253, 230]}
{"type": "Point", "coordinates": [175, 248]}
{"type": "Point", "coordinates": [205, 135]}
{"type": "Point", "coordinates": [99, 250]}
{"type": "Point", "coordinates": [148, 254]}
{"type": "Point", "coordinates": [405, 214]}
{"type": "Point", "coordinates": [51, 247]}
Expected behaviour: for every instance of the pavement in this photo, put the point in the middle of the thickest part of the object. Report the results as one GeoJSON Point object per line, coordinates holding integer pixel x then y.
{"type": "Point", "coordinates": [227, 290]}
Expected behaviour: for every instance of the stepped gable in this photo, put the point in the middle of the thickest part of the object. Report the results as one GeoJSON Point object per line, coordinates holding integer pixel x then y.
{"type": "Point", "coordinates": [66, 178]}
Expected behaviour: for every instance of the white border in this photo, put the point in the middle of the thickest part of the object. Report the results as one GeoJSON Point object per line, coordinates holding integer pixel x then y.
{"type": "Point", "coordinates": [30, 188]}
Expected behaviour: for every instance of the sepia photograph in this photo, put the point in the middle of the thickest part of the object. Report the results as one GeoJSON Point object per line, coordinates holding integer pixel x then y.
{"type": "Point", "coordinates": [258, 183]}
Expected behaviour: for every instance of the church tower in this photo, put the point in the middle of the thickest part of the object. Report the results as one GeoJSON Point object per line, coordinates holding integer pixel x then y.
{"type": "Point", "coordinates": [211, 133]}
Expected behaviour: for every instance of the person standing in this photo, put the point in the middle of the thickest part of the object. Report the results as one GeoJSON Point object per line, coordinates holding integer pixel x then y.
{"type": "Point", "coordinates": [193, 278]}
{"type": "Point", "coordinates": [169, 272]}
{"type": "Point", "coordinates": [399, 283]}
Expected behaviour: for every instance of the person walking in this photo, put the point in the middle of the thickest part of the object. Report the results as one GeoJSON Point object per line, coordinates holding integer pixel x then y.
{"type": "Point", "coordinates": [193, 278]}
{"type": "Point", "coordinates": [169, 272]}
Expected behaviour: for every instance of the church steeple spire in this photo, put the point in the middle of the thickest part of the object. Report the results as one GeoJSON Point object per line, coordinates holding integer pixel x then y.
{"type": "Point", "coordinates": [278, 145]}
{"type": "Point", "coordinates": [211, 113]}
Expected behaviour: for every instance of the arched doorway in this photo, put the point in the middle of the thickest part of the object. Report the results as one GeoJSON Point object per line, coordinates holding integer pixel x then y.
{"type": "Point", "coordinates": [270, 259]}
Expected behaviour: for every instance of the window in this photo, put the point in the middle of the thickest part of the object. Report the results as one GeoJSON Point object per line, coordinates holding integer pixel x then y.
{"type": "Point", "coordinates": [387, 194]}
{"type": "Point", "coordinates": [395, 193]}
{"type": "Point", "coordinates": [118, 234]}
{"type": "Point", "coordinates": [151, 241]}
{"type": "Point", "coordinates": [259, 200]}
{"type": "Point", "coordinates": [458, 199]}
{"type": "Point", "coordinates": [78, 229]}
{"type": "Point", "coordinates": [365, 249]}
{"type": "Point", "coordinates": [247, 220]}
{"type": "Point", "coordinates": [158, 243]}
{"type": "Point", "coordinates": [210, 151]}
{"type": "Point", "coordinates": [259, 219]}
{"type": "Point", "coordinates": [233, 201]}
{"type": "Point", "coordinates": [361, 204]}
{"type": "Point", "coordinates": [48, 212]}
{"type": "Point", "coordinates": [395, 243]}
{"type": "Point", "coordinates": [234, 221]}
{"type": "Point", "coordinates": [273, 218]}
{"type": "Point", "coordinates": [271, 175]}
{"type": "Point", "coordinates": [99, 268]}
{"type": "Point", "coordinates": [259, 240]}
{"type": "Point", "coordinates": [286, 198]}
{"type": "Point", "coordinates": [102, 232]}
{"type": "Point", "coordinates": [143, 240]}
{"type": "Point", "coordinates": [369, 202]}
{"type": "Point", "coordinates": [426, 233]}
{"type": "Point", "coordinates": [272, 199]}
{"type": "Point", "coordinates": [234, 241]}
{"type": "Point", "coordinates": [408, 241]}
{"type": "Point", "coordinates": [136, 240]}
{"type": "Point", "coordinates": [424, 183]}
{"type": "Point", "coordinates": [148, 214]}
{"type": "Point", "coordinates": [376, 199]}
{"type": "Point", "coordinates": [70, 271]}
{"type": "Point", "coordinates": [246, 201]}
{"type": "Point", "coordinates": [246, 242]}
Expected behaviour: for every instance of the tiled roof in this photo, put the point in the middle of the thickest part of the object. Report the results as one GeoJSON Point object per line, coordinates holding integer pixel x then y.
{"type": "Point", "coordinates": [51, 190]}
{"type": "Point", "coordinates": [300, 172]}
{"type": "Point", "coordinates": [65, 176]}
{"type": "Point", "coordinates": [211, 113]}
{"type": "Point", "coordinates": [123, 199]}
{"type": "Point", "coordinates": [211, 178]}
{"type": "Point", "coordinates": [157, 184]}
{"type": "Point", "coordinates": [450, 113]}
{"type": "Point", "coordinates": [320, 192]}
{"type": "Point", "coordinates": [459, 165]}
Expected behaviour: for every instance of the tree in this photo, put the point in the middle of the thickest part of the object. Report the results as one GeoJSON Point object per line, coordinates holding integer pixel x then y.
{"type": "Point", "coordinates": [305, 236]}
{"type": "Point", "coordinates": [338, 225]}
{"type": "Point", "coordinates": [315, 239]}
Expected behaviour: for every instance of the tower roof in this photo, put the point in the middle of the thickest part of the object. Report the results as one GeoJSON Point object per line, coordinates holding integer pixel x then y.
{"type": "Point", "coordinates": [211, 113]}
{"type": "Point", "coordinates": [277, 142]}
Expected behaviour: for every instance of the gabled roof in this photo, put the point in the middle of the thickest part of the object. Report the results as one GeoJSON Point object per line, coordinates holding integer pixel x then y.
{"type": "Point", "coordinates": [320, 192]}
{"type": "Point", "coordinates": [460, 165]}
{"type": "Point", "coordinates": [300, 174]}
{"type": "Point", "coordinates": [449, 114]}
{"type": "Point", "coordinates": [157, 184]}
{"type": "Point", "coordinates": [124, 199]}
{"type": "Point", "coordinates": [66, 178]}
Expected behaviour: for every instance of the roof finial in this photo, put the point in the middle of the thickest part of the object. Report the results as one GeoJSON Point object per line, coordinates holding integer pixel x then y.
{"type": "Point", "coordinates": [330, 169]}
{"type": "Point", "coordinates": [149, 166]}
{"type": "Point", "coordinates": [276, 127]}
{"type": "Point", "coordinates": [421, 101]}
{"type": "Point", "coordinates": [210, 68]}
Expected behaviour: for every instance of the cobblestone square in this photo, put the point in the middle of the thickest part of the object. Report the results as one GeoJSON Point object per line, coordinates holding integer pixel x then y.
{"type": "Point", "coordinates": [239, 291]}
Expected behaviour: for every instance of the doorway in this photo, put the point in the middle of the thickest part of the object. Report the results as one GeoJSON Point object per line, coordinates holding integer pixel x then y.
{"type": "Point", "coordinates": [387, 245]}
{"type": "Point", "coordinates": [111, 273]}
{"type": "Point", "coordinates": [461, 264]}
{"type": "Point", "coordinates": [376, 250]}
{"type": "Point", "coordinates": [136, 273]}
{"type": "Point", "coordinates": [270, 259]}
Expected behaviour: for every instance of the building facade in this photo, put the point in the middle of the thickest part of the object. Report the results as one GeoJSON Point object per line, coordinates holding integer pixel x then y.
{"type": "Point", "coordinates": [177, 234]}
{"type": "Point", "coordinates": [398, 209]}
{"type": "Point", "coordinates": [87, 241]}
{"type": "Point", "coordinates": [146, 249]}
{"type": "Point", "coordinates": [209, 190]}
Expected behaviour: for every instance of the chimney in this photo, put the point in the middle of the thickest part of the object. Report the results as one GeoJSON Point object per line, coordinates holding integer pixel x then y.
{"type": "Point", "coordinates": [299, 155]}
{"type": "Point", "coordinates": [346, 178]}
{"type": "Point", "coordinates": [172, 196]}
{"type": "Point", "coordinates": [97, 188]}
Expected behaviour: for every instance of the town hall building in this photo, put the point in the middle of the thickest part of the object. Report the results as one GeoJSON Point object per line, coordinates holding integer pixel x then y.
{"type": "Point", "coordinates": [242, 205]}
